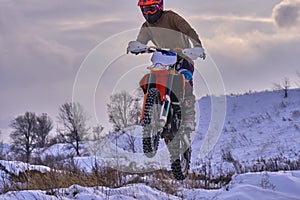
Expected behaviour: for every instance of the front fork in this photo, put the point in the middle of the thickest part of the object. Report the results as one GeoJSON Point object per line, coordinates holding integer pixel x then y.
{"type": "Point", "coordinates": [167, 99]}
{"type": "Point", "coordinates": [165, 110]}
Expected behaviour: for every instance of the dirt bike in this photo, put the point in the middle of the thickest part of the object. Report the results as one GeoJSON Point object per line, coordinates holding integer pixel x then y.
{"type": "Point", "coordinates": [164, 92]}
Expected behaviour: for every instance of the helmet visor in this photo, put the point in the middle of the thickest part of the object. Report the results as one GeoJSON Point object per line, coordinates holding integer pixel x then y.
{"type": "Point", "coordinates": [152, 9]}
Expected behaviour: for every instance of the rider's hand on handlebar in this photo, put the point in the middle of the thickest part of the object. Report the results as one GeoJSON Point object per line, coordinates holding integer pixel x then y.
{"type": "Point", "coordinates": [194, 53]}
{"type": "Point", "coordinates": [136, 47]}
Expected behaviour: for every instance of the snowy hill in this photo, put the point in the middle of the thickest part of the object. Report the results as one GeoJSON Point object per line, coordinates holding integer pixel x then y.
{"type": "Point", "coordinates": [261, 133]}
{"type": "Point", "coordinates": [258, 127]}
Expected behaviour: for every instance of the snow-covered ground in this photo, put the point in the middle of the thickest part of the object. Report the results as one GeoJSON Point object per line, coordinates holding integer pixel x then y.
{"type": "Point", "coordinates": [250, 186]}
{"type": "Point", "coordinates": [261, 132]}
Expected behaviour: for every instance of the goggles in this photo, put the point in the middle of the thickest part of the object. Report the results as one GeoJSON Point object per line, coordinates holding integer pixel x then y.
{"type": "Point", "coordinates": [152, 9]}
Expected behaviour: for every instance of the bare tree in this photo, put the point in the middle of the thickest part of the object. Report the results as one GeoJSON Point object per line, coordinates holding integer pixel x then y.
{"type": "Point", "coordinates": [73, 120]}
{"type": "Point", "coordinates": [44, 126]}
{"type": "Point", "coordinates": [24, 136]}
{"type": "Point", "coordinates": [135, 113]}
{"type": "Point", "coordinates": [285, 85]}
{"type": "Point", "coordinates": [95, 141]}
{"type": "Point", "coordinates": [97, 132]}
{"type": "Point", "coordinates": [123, 110]}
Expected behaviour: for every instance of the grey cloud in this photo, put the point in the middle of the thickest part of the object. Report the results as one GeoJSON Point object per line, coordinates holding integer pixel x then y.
{"type": "Point", "coordinates": [269, 63]}
{"type": "Point", "coordinates": [287, 14]}
{"type": "Point", "coordinates": [217, 7]}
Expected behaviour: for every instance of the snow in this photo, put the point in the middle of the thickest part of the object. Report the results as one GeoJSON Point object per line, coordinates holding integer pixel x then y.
{"type": "Point", "coordinates": [129, 192]}
{"type": "Point", "coordinates": [253, 186]}
{"type": "Point", "coordinates": [56, 150]}
{"type": "Point", "coordinates": [16, 167]}
{"type": "Point", "coordinates": [261, 130]}
{"type": "Point", "coordinates": [250, 186]}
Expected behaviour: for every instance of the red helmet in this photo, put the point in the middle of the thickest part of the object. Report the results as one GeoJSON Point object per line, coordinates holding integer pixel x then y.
{"type": "Point", "coordinates": [150, 2]}
{"type": "Point", "coordinates": [151, 6]}
{"type": "Point", "coordinates": [151, 9]}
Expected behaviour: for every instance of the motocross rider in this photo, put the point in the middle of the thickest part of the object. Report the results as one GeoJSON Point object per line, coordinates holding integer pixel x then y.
{"type": "Point", "coordinates": [167, 29]}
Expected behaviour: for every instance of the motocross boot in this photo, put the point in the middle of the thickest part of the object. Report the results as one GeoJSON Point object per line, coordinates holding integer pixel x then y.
{"type": "Point", "coordinates": [188, 113]}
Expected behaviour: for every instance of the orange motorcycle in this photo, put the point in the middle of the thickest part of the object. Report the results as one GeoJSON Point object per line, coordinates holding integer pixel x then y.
{"type": "Point", "coordinates": [161, 114]}
{"type": "Point", "coordinates": [164, 91]}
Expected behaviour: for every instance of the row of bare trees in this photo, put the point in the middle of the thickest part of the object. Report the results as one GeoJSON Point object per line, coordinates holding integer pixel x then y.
{"type": "Point", "coordinates": [31, 131]}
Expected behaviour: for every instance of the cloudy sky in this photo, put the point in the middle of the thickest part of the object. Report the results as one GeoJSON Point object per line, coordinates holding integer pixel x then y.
{"type": "Point", "coordinates": [43, 43]}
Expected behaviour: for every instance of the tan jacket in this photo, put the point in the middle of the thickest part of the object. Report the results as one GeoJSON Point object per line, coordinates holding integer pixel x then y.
{"type": "Point", "coordinates": [170, 31]}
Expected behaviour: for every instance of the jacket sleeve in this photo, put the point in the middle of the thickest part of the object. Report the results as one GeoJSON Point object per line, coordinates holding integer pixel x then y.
{"type": "Point", "coordinates": [143, 36]}
{"type": "Point", "coordinates": [183, 26]}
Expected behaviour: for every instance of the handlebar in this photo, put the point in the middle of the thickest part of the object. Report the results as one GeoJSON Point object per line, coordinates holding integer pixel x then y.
{"type": "Point", "coordinates": [137, 48]}
{"type": "Point", "coordinates": [152, 49]}
{"type": "Point", "coordinates": [192, 53]}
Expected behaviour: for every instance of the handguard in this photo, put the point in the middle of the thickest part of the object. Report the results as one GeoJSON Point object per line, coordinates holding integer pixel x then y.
{"type": "Point", "coordinates": [194, 53]}
{"type": "Point", "coordinates": [136, 47]}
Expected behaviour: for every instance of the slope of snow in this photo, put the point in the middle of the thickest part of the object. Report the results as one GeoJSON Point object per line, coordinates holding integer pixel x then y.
{"type": "Point", "coordinates": [250, 186]}
{"type": "Point", "coordinates": [257, 126]}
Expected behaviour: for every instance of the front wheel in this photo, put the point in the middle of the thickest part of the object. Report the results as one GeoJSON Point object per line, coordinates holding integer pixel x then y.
{"type": "Point", "coordinates": [150, 123]}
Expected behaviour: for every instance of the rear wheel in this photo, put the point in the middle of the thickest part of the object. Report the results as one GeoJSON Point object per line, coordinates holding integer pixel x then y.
{"type": "Point", "coordinates": [150, 123]}
{"type": "Point", "coordinates": [179, 147]}
{"type": "Point", "coordinates": [181, 163]}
